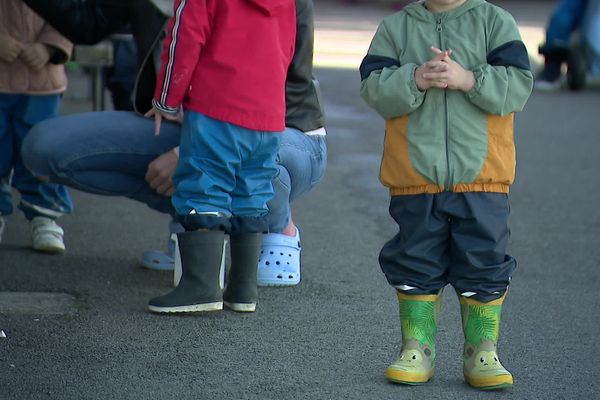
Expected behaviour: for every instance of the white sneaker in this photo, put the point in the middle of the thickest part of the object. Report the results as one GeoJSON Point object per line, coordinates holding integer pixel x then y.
{"type": "Point", "coordinates": [1, 228]}
{"type": "Point", "coordinates": [46, 235]}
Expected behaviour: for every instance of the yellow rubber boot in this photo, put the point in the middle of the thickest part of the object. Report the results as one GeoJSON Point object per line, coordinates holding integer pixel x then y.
{"type": "Point", "coordinates": [481, 324]}
{"type": "Point", "coordinates": [418, 318]}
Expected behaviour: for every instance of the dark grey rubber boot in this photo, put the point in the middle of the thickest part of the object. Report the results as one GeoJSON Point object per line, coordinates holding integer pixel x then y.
{"type": "Point", "coordinates": [199, 288]}
{"type": "Point", "coordinates": [241, 292]}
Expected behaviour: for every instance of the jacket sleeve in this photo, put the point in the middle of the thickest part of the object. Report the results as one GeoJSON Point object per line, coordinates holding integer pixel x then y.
{"type": "Point", "coordinates": [51, 37]}
{"type": "Point", "coordinates": [186, 36]}
{"type": "Point", "coordinates": [83, 21]}
{"type": "Point", "coordinates": [303, 104]}
{"type": "Point", "coordinates": [387, 86]}
{"type": "Point", "coordinates": [503, 84]}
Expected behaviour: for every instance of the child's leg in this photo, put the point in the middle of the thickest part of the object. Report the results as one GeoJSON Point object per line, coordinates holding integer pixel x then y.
{"type": "Point", "coordinates": [37, 198]}
{"type": "Point", "coordinates": [415, 263]}
{"type": "Point", "coordinates": [41, 202]}
{"type": "Point", "coordinates": [419, 317]}
{"type": "Point", "coordinates": [480, 268]}
{"type": "Point", "coordinates": [480, 272]}
{"type": "Point", "coordinates": [7, 153]}
{"type": "Point", "coordinates": [481, 325]}
{"type": "Point", "coordinates": [249, 205]}
{"type": "Point", "coordinates": [204, 178]}
{"type": "Point", "coordinates": [199, 288]}
{"type": "Point", "coordinates": [205, 175]}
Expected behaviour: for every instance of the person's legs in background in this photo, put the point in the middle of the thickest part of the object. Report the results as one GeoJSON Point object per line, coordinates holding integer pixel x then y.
{"type": "Point", "coordinates": [566, 18]}
{"type": "Point", "coordinates": [6, 159]}
{"type": "Point", "coordinates": [104, 153]}
{"type": "Point", "coordinates": [302, 160]}
{"type": "Point", "coordinates": [41, 202]}
{"type": "Point", "coordinates": [120, 78]}
{"type": "Point", "coordinates": [591, 36]}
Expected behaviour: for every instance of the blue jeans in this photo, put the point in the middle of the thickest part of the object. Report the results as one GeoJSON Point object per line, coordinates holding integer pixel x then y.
{"type": "Point", "coordinates": [301, 161]}
{"type": "Point", "coordinates": [108, 153]}
{"type": "Point", "coordinates": [566, 18]}
{"type": "Point", "coordinates": [591, 35]}
{"type": "Point", "coordinates": [17, 114]}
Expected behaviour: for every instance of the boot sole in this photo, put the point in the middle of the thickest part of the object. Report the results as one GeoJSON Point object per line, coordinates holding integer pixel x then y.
{"type": "Point", "coordinates": [241, 307]}
{"type": "Point", "coordinates": [49, 249]}
{"type": "Point", "coordinates": [407, 378]}
{"type": "Point", "coordinates": [216, 306]}
{"type": "Point", "coordinates": [491, 383]}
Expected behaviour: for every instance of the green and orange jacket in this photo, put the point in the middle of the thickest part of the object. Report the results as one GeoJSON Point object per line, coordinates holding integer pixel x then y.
{"type": "Point", "coordinates": [448, 140]}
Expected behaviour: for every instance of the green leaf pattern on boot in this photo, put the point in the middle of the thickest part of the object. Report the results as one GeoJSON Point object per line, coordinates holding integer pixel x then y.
{"type": "Point", "coordinates": [480, 322]}
{"type": "Point", "coordinates": [418, 321]}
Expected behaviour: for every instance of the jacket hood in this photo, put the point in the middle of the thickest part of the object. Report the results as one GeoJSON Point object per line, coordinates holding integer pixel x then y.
{"type": "Point", "coordinates": [271, 7]}
{"type": "Point", "coordinates": [418, 10]}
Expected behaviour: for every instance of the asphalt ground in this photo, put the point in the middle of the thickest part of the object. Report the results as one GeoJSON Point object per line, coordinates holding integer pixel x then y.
{"type": "Point", "coordinates": [332, 336]}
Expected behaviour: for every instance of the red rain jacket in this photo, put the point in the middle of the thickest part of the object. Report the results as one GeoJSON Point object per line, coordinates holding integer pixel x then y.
{"type": "Point", "coordinates": [228, 59]}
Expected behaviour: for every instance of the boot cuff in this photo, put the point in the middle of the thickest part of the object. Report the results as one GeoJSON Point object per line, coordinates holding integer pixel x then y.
{"type": "Point", "coordinates": [194, 222]}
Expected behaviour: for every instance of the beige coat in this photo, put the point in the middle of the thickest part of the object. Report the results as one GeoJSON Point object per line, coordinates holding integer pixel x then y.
{"type": "Point", "coordinates": [22, 24]}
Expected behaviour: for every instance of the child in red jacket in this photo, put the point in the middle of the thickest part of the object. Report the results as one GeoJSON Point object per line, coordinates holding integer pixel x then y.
{"type": "Point", "coordinates": [225, 64]}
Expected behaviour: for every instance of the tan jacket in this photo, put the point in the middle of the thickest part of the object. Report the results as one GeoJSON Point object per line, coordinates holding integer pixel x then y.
{"type": "Point", "coordinates": [21, 23]}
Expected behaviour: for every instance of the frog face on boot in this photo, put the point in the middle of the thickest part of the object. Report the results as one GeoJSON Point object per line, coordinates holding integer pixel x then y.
{"type": "Point", "coordinates": [483, 360]}
{"type": "Point", "coordinates": [414, 357]}
{"type": "Point", "coordinates": [410, 356]}
{"type": "Point", "coordinates": [482, 367]}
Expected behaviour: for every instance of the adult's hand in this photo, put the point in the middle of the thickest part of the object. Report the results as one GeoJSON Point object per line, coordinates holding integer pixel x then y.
{"type": "Point", "coordinates": [160, 172]}
{"type": "Point", "coordinates": [10, 48]}
{"type": "Point", "coordinates": [36, 56]}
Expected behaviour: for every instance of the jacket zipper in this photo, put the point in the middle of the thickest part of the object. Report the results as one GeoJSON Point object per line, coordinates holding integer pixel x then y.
{"type": "Point", "coordinates": [447, 183]}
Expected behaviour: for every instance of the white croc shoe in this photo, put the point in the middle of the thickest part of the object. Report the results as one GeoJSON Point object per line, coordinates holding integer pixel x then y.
{"type": "Point", "coordinates": [46, 235]}
{"type": "Point", "coordinates": [279, 260]}
{"type": "Point", "coordinates": [161, 260]}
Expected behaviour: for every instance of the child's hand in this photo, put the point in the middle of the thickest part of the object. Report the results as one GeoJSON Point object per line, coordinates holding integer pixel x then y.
{"type": "Point", "coordinates": [158, 117]}
{"type": "Point", "coordinates": [36, 56]}
{"type": "Point", "coordinates": [454, 75]}
{"type": "Point", "coordinates": [423, 75]}
{"type": "Point", "coordinates": [9, 48]}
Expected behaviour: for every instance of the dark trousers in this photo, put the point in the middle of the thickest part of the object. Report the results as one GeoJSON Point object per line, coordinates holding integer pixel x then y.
{"type": "Point", "coordinates": [450, 238]}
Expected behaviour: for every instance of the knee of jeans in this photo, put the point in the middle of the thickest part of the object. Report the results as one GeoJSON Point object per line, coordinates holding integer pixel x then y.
{"type": "Point", "coordinates": [37, 153]}
{"type": "Point", "coordinates": [282, 180]}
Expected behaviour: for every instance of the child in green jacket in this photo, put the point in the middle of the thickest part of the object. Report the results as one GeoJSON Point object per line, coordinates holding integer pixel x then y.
{"type": "Point", "coordinates": [448, 76]}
